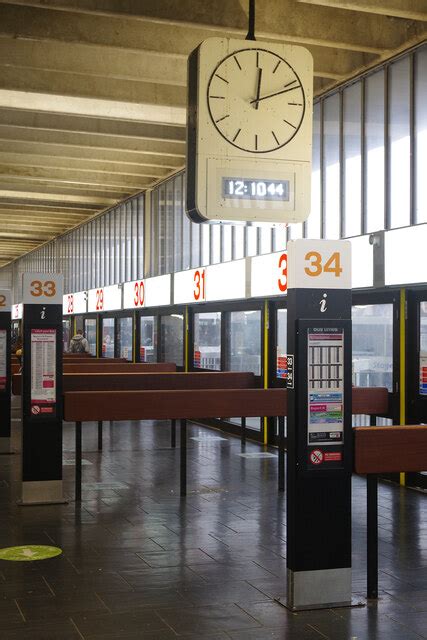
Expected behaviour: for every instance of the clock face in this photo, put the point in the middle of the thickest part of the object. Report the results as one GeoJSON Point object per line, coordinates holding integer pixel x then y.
{"type": "Point", "coordinates": [256, 100]}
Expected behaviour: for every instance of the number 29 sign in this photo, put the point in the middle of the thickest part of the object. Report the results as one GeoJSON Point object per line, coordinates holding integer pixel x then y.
{"type": "Point", "coordinates": [42, 288]}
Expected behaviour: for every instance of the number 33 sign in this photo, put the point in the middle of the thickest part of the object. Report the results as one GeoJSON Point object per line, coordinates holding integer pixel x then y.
{"type": "Point", "coordinates": [319, 264]}
{"type": "Point", "coordinates": [42, 288]}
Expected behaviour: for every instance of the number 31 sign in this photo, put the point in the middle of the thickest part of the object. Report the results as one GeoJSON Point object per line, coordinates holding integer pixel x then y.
{"type": "Point", "coordinates": [42, 288]}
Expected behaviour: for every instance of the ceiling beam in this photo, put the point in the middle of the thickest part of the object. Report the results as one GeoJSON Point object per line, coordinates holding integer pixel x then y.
{"type": "Point", "coordinates": [408, 10]}
{"type": "Point", "coordinates": [276, 19]}
{"type": "Point", "coordinates": [66, 176]}
{"type": "Point", "coordinates": [53, 197]}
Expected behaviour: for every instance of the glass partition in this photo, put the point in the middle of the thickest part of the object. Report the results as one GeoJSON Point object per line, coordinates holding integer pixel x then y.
{"type": "Point", "coordinates": [108, 338]}
{"type": "Point", "coordinates": [66, 334]}
{"type": "Point", "coordinates": [90, 334]}
{"type": "Point", "coordinates": [281, 352]}
{"type": "Point", "coordinates": [373, 345]}
{"type": "Point", "coordinates": [244, 345]}
{"type": "Point", "coordinates": [124, 338]}
{"type": "Point", "coordinates": [172, 339]}
{"type": "Point", "coordinates": [423, 348]}
{"type": "Point", "coordinates": [207, 341]}
{"type": "Point", "coordinates": [148, 344]}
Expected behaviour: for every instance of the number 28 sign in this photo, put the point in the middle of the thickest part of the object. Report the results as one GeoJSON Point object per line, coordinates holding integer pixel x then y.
{"type": "Point", "coordinates": [42, 288]}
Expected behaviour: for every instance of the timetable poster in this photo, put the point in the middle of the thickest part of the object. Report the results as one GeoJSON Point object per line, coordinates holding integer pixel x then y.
{"type": "Point", "coordinates": [43, 371]}
{"type": "Point", "coordinates": [325, 363]}
{"type": "Point", "coordinates": [3, 359]}
{"type": "Point", "coordinates": [423, 373]}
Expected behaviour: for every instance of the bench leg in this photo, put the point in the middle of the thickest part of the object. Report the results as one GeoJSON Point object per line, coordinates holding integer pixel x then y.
{"type": "Point", "coordinates": [372, 533]}
{"type": "Point", "coordinates": [183, 434]}
{"type": "Point", "coordinates": [100, 435]}
{"type": "Point", "coordinates": [243, 434]}
{"type": "Point", "coordinates": [173, 434]}
{"type": "Point", "coordinates": [78, 454]}
{"type": "Point", "coordinates": [281, 461]}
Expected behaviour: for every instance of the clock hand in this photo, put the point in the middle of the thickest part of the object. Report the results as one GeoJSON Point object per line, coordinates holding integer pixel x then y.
{"type": "Point", "coordinates": [271, 95]}
{"type": "Point", "coordinates": [258, 88]}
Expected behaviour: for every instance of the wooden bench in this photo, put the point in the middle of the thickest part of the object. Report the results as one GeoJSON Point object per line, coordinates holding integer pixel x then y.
{"type": "Point", "coordinates": [183, 405]}
{"type": "Point", "coordinates": [378, 450]}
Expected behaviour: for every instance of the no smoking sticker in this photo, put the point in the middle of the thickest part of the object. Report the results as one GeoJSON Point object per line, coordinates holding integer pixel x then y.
{"type": "Point", "coordinates": [316, 456]}
{"type": "Point", "coordinates": [35, 410]}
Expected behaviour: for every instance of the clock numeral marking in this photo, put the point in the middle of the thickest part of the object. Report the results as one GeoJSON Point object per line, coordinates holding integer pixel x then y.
{"type": "Point", "coordinates": [256, 142]}
{"type": "Point", "coordinates": [237, 133]}
{"type": "Point", "coordinates": [221, 78]}
{"type": "Point", "coordinates": [217, 97]}
{"type": "Point", "coordinates": [223, 118]}
{"type": "Point", "coordinates": [275, 137]}
{"type": "Point", "coordinates": [257, 58]}
{"type": "Point", "coordinates": [290, 83]}
{"type": "Point", "coordinates": [295, 104]}
{"type": "Point", "coordinates": [237, 62]}
{"type": "Point", "coordinates": [277, 66]}
{"type": "Point", "coordinates": [289, 123]}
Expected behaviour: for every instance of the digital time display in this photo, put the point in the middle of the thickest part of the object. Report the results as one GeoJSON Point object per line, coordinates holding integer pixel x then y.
{"type": "Point", "coordinates": [255, 189]}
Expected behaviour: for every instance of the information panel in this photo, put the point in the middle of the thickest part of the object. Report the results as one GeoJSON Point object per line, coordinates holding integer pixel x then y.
{"type": "Point", "coordinates": [423, 373]}
{"type": "Point", "coordinates": [43, 371]}
{"type": "Point", "coordinates": [3, 359]}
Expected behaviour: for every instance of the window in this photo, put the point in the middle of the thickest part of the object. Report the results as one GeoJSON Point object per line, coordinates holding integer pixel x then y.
{"type": "Point", "coordinates": [178, 221]}
{"type": "Point", "coordinates": [374, 143]}
{"type": "Point", "coordinates": [421, 134]}
{"type": "Point", "coordinates": [161, 238]}
{"type": "Point", "coordinates": [148, 346]}
{"type": "Point", "coordinates": [244, 342]}
{"type": "Point", "coordinates": [238, 239]}
{"type": "Point", "coordinates": [172, 339]}
{"type": "Point", "coordinates": [90, 334]}
{"type": "Point", "coordinates": [108, 338]}
{"type": "Point", "coordinates": [207, 341]}
{"type": "Point", "coordinates": [352, 160]}
{"type": "Point", "coordinates": [125, 338]}
{"type": "Point", "coordinates": [215, 252]}
{"type": "Point", "coordinates": [141, 217]}
{"type": "Point", "coordinates": [400, 175]}
{"type": "Point", "coordinates": [281, 348]}
{"type": "Point", "coordinates": [373, 345]}
{"type": "Point", "coordinates": [128, 270]}
{"type": "Point", "coordinates": [169, 228]}
{"type": "Point", "coordinates": [332, 167]}
{"type": "Point", "coordinates": [226, 242]}
{"type": "Point", "coordinates": [205, 243]}
{"type": "Point", "coordinates": [195, 244]}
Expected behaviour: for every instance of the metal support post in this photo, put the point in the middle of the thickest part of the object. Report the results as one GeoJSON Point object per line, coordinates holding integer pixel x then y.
{"type": "Point", "coordinates": [243, 434]}
{"type": "Point", "coordinates": [281, 461]}
{"type": "Point", "coordinates": [183, 480]}
{"type": "Point", "coordinates": [100, 435]}
{"type": "Point", "coordinates": [78, 455]}
{"type": "Point", "coordinates": [173, 434]}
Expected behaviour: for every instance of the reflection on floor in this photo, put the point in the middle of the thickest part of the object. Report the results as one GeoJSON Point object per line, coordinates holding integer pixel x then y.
{"type": "Point", "coordinates": [139, 562]}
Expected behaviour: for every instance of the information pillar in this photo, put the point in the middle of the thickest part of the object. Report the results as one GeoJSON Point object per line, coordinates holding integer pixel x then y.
{"type": "Point", "coordinates": [42, 389]}
{"type": "Point", "coordinates": [319, 462]}
{"type": "Point", "coordinates": [5, 370]}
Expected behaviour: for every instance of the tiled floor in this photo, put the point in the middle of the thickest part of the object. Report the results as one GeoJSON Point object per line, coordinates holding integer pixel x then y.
{"type": "Point", "coordinates": [139, 562]}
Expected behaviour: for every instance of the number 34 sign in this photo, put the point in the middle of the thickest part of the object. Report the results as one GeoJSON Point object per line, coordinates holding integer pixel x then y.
{"type": "Point", "coordinates": [42, 288]}
{"type": "Point", "coordinates": [319, 264]}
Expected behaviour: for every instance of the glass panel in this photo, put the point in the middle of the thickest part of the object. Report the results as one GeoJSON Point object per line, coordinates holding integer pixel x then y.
{"type": "Point", "coordinates": [421, 134]}
{"type": "Point", "coordinates": [352, 152]}
{"type": "Point", "coordinates": [141, 217]}
{"type": "Point", "coordinates": [117, 243]}
{"type": "Point", "coordinates": [185, 233]}
{"type": "Point", "coordinates": [172, 339]}
{"type": "Point", "coordinates": [90, 334]}
{"type": "Point", "coordinates": [148, 348]}
{"type": "Point", "coordinates": [332, 167]}
{"type": "Point", "coordinates": [265, 237]}
{"type": "Point", "coordinates": [161, 240]}
{"type": "Point", "coordinates": [195, 244]}
{"type": "Point", "coordinates": [226, 242]}
{"type": "Point", "coordinates": [108, 254]}
{"type": "Point", "coordinates": [215, 243]}
{"type": "Point", "coordinates": [238, 235]}
{"type": "Point", "coordinates": [295, 231]}
{"type": "Point", "coordinates": [66, 335]}
{"type": "Point", "coordinates": [400, 172]}
{"type": "Point", "coordinates": [154, 229]}
{"type": "Point", "coordinates": [108, 338]}
{"type": "Point", "coordinates": [374, 143]}
{"type": "Point", "coordinates": [282, 328]}
{"type": "Point", "coordinates": [134, 239]}
{"type": "Point", "coordinates": [169, 245]}
{"type": "Point", "coordinates": [207, 341]}
{"type": "Point", "coordinates": [251, 241]}
{"type": "Point", "coordinates": [102, 251]}
{"type": "Point", "coordinates": [373, 345]}
{"type": "Point", "coordinates": [128, 274]}
{"type": "Point", "coordinates": [205, 230]}
{"type": "Point", "coordinates": [244, 346]}
{"type": "Point", "coordinates": [124, 338]}
{"type": "Point", "coordinates": [279, 237]}
{"type": "Point", "coordinates": [423, 348]}
{"type": "Point", "coordinates": [178, 213]}
{"type": "Point", "coordinates": [123, 246]}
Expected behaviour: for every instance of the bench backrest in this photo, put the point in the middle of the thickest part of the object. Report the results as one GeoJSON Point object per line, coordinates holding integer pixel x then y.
{"type": "Point", "coordinates": [390, 449]}
{"type": "Point", "coordinates": [82, 406]}
{"type": "Point", "coordinates": [119, 367]}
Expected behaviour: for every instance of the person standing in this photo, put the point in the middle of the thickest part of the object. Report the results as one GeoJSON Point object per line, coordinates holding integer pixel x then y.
{"type": "Point", "coordinates": [78, 343]}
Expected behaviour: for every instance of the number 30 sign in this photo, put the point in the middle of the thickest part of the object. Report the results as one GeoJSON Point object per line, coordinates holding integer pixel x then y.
{"type": "Point", "coordinates": [42, 288]}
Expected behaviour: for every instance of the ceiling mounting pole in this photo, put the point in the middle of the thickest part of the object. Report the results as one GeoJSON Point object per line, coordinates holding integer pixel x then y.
{"type": "Point", "coordinates": [251, 21]}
